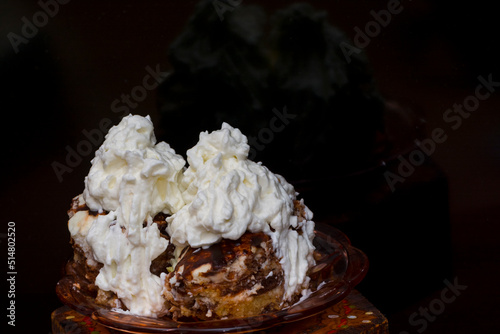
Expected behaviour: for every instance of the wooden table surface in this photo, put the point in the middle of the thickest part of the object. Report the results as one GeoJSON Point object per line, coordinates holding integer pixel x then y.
{"type": "Point", "coordinates": [353, 315]}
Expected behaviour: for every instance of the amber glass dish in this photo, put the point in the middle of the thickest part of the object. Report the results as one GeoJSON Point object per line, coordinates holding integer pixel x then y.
{"type": "Point", "coordinates": [339, 269]}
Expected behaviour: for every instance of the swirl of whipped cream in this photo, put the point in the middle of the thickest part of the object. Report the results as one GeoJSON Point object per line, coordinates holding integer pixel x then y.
{"type": "Point", "coordinates": [129, 159]}
{"type": "Point", "coordinates": [227, 194]}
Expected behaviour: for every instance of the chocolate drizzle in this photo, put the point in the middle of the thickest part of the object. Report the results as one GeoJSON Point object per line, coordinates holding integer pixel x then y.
{"type": "Point", "coordinates": [221, 255]}
{"type": "Point", "coordinates": [232, 278]}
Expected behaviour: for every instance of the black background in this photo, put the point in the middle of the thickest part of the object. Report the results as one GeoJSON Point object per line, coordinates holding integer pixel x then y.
{"type": "Point", "coordinates": [64, 80]}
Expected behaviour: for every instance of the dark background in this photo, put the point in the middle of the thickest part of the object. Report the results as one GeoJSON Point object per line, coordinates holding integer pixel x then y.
{"type": "Point", "coordinates": [64, 80]}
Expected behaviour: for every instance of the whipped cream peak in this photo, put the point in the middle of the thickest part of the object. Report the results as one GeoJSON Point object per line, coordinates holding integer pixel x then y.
{"type": "Point", "coordinates": [129, 159]}
{"type": "Point", "coordinates": [134, 132]}
{"type": "Point", "coordinates": [228, 142]}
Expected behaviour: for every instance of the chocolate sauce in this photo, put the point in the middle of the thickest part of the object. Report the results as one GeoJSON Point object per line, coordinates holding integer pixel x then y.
{"type": "Point", "coordinates": [221, 254]}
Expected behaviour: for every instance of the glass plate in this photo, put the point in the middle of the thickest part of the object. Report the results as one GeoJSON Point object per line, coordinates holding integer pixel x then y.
{"type": "Point", "coordinates": [340, 267]}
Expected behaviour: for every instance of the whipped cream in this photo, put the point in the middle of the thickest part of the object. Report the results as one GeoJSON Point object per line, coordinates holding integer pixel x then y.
{"type": "Point", "coordinates": [132, 178]}
{"type": "Point", "coordinates": [222, 194]}
{"type": "Point", "coordinates": [227, 194]}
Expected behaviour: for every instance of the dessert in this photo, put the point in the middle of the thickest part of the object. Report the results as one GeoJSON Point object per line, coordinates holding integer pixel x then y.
{"type": "Point", "coordinates": [220, 238]}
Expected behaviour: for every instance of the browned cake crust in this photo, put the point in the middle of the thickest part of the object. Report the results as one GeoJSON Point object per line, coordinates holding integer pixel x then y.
{"type": "Point", "coordinates": [233, 278]}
